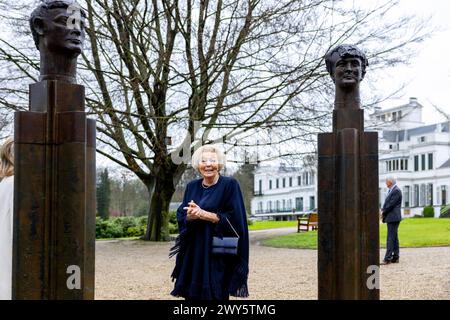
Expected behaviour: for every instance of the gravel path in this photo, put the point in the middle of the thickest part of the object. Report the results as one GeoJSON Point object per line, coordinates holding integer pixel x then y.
{"type": "Point", "coordinates": [141, 270]}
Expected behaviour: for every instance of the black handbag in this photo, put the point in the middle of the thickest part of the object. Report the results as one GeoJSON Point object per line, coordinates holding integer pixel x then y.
{"type": "Point", "coordinates": [226, 245]}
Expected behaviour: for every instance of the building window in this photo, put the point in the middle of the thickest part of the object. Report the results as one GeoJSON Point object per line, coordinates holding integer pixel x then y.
{"type": "Point", "coordinates": [312, 203]}
{"type": "Point", "coordinates": [299, 204]}
{"type": "Point", "coordinates": [270, 184]}
{"type": "Point", "coordinates": [443, 195]}
{"type": "Point", "coordinates": [260, 207]}
{"type": "Point", "coordinates": [269, 206]}
{"type": "Point", "coordinates": [278, 183]}
{"type": "Point", "coordinates": [422, 139]}
{"type": "Point", "coordinates": [430, 161]}
{"type": "Point", "coordinates": [406, 196]}
{"type": "Point", "coordinates": [390, 166]}
{"type": "Point", "coordinates": [422, 195]}
{"type": "Point", "coordinates": [430, 194]}
{"type": "Point", "coordinates": [290, 181]}
{"type": "Point", "coordinates": [260, 186]}
{"type": "Point", "coordinates": [299, 180]}
{"type": "Point", "coordinates": [284, 205]}
{"type": "Point", "coordinates": [396, 165]}
{"type": "Point", "coordinates": [277, 206]}
{"type": "Point", "coordinates": [423, 162]}
{"type": "Point", "coordinates": [416, 163]}
{"type": "Point", "coordinates": [416, 195]}
{"type": "Point", "coordinates": [406, 164]}
{"type": "Point", "coordinates": [402, 167]}
{"type": "Point", "coordinates": [305, 178]}
{"type": "Point", "coordinates": [312, 177]}
{"type": "Point", "coordinates": [387, 166]}
{"type": "Point", "coordinates": [284, 182]}
{"type": "Point", "coordinates": [289, 205]}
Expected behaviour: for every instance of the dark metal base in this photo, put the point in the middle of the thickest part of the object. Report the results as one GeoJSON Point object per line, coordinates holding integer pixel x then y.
{"type": "Point", "coordinates": [348, 238]}
{"type": "Point", "coordinates": [54, 196]}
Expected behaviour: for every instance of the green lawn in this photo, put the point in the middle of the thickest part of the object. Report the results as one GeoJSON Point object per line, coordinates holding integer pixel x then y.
{"type": "Point", "coordinates": [261, 225]}
{"type": "Point", "coordinates": [422, 232]}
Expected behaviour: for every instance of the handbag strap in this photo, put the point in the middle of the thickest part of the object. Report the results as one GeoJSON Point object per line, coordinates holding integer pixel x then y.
{"type": "Point", "coordinates": [232, 227]}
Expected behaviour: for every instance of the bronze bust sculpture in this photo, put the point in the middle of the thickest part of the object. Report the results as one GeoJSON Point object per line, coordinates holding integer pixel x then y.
{"type": "Point", "coordinates": [346, 65]}
{"type": "Point", "coordinates": [58, 28]}
{"type": "Point", "coordinates": [348, 237]}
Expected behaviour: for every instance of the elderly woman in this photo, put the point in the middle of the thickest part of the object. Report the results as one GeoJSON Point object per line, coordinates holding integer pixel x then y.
{"type": "Point", "coordinates": [212, 206]}
{"type": "Point", "coordinates": [6, 217]}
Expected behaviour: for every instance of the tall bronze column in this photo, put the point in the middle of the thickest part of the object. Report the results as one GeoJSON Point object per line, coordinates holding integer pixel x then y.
{"type": "Point", "coordinates": [54, 192]}
{"type": "Point", "coordinates": [348, 235]}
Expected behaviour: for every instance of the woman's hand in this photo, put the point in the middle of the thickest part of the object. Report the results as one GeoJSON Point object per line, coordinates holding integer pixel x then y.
{"type": "Point", "coordinates": [195, 212]}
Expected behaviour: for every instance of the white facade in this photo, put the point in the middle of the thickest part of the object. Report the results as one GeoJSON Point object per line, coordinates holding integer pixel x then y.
{"type": "Point", "coordinates": [418, 156]}
{"type": "Point", "coordinates": [284, 190]}
{"type": "Point", "coordinates": [403, 117]}
{"type": "Point", "coordinates": [420, 160]}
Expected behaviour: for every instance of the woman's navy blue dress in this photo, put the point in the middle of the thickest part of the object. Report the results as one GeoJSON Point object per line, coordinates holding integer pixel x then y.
{"type": "Point", "coordinates": [199, 273]}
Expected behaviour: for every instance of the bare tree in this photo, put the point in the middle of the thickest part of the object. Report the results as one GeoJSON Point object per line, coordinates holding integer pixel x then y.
{"type": "Point", "coordinates": [193, 72]}
{"type": "Point", "coordinates": [442, 112]}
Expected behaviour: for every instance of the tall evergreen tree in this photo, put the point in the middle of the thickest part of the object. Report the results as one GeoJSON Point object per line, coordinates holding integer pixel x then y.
{"type": "Point", "coordinates": [245, 175]}
{"type": "Point", "coordinates": [103, 195]}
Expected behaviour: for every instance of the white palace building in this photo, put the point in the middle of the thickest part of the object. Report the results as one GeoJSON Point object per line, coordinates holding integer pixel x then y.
{"type": "Point", "coordinates": [417, 155]}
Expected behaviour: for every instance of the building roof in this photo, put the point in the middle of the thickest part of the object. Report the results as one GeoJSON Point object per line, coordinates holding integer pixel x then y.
{"type": "Point", "coordinates": [402, 135]}
{"type": "Point", "coordinates": [413, 104]}
{"type": "Point", "coordinates": [289, 169]}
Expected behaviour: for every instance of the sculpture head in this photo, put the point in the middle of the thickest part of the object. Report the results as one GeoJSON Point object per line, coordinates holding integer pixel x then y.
{"type": "Point", "coordinates": [58, 26]}
{"type": "Point", "coordinates": [346, 65]}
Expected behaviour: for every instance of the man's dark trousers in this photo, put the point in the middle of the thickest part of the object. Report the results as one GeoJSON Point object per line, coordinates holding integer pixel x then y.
{"type": "Point", "coordinates": [392, 215]}
{"type": "Point", "coordinates": [392, 244]}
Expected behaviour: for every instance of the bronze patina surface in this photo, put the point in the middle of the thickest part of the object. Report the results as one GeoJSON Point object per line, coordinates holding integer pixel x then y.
{"type": "Point", "coordinates": [54, 192]}
{"type": "Point", "coordinates": [348, 235]}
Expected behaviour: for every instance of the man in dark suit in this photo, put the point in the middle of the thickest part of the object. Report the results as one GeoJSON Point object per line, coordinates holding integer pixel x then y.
{"type": "Point", "coordinates": [391, 214]}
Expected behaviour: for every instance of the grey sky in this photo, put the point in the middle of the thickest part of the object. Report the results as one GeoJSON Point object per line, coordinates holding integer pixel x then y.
{"type": "Point", "coordinates": [428, 74]}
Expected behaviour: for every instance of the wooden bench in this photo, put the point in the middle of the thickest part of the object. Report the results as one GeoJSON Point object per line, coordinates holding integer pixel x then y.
{"type": "Point", "coordinates": [311, 220]}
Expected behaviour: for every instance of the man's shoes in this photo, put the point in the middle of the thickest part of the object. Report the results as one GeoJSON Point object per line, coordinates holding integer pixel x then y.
{"type": "Point", "coordinates": [385, 262]}
{"type": "Point", "coordinates": [395, 260]}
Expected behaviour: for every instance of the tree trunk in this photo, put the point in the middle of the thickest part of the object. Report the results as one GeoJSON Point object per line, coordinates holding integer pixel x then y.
{"type": "Point", "coordinates": [158, 217]}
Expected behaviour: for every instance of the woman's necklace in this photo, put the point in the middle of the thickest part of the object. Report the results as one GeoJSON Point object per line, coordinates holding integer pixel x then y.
{"type": "Point", "coordinates": [215, 181]}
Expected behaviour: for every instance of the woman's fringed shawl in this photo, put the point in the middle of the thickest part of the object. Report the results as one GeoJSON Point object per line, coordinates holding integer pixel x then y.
{"type": "Point", "coordinates": [195, 242]}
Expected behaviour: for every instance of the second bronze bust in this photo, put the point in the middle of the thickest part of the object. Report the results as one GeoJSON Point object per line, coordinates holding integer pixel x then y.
{"type": "Point", "coordinates": [346, 65]}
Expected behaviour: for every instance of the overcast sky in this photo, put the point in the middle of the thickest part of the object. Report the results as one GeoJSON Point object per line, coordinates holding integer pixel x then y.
{"type": "Point", "coordinates": [428, 75]}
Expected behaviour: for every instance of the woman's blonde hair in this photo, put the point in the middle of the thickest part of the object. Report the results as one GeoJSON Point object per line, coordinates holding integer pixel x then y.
{"type": "Point", "coordinates": [7, 158]}
{"type": "Point", "coordinates": [197, 156]}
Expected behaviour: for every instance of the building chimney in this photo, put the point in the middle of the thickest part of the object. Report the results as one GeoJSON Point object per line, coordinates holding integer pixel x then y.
{"type": "Point", "coordinates": [413, 101]}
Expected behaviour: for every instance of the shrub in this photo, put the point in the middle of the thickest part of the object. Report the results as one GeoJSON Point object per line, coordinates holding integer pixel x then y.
{"type": "Point", "coordinates": [173, 217]}
{"type": "Point", "coordinates": [120, 227]}
{"type": "Point", "coordinates": [428, 212]}
{"type": "Point", "coordinates": [108, 229]}
{"type": "Point", "coordinates": [173, 228]}
{"type": "Point", "coordinates": [136, 231]}
{"type": "Point", "coordinates": [445, 212]}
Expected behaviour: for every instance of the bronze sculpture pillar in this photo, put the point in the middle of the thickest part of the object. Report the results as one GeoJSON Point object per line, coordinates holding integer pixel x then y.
{"type": "Point", "coordinates": [348, 235]}
{"type": "Point", "coordinates": [54, 206]}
